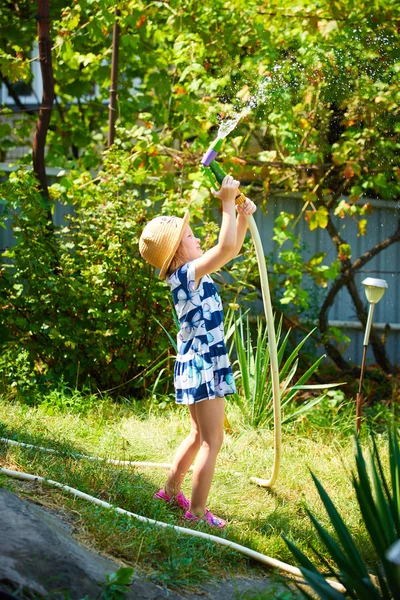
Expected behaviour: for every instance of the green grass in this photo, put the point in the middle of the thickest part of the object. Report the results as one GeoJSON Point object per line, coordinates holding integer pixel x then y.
{"type": "Point", "coordinates": [257, 517]}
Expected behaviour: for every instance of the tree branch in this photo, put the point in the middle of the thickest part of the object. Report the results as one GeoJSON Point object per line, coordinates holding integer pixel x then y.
{"type": "Point", "coordinates": [16, 98]}
{"type": "Point", "coordinates": [347, 279]}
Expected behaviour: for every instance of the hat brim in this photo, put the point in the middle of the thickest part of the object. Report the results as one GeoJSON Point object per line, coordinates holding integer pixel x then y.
{"type": "Point", "coordinates": [174, 248]}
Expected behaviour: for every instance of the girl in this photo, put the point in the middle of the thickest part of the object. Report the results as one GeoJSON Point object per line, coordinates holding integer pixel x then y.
{"type": "Point", "coordinates": [202, 375]}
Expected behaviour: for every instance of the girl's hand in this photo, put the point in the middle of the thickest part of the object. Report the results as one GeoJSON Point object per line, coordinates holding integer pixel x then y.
{"type": "Point", "coordinates": [247, 208]}
{"type": "Point", "coordinates": [228, 190]}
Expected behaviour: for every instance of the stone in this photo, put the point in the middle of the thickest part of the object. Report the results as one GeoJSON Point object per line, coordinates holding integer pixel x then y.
{"type": "Point", "coordinates": [39, 556]}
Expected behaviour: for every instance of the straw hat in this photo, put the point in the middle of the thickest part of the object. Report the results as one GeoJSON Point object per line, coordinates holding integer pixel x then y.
{"type": "Point", "coordinates": [160, 240]}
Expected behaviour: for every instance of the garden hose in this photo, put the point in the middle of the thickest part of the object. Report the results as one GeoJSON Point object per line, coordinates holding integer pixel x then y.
{"type": "Point", "coordinates": [273, 355]}
{"type": "Point", "coordinates": [263, 558]}
{"type": "Point", "coordinates": [106, 460]}
{"type": "Point", "coordinates": [212, 170]}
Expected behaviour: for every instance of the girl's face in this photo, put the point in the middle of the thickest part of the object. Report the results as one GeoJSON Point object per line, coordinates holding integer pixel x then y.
{"type": "Point", "coordinates": [190, 244]}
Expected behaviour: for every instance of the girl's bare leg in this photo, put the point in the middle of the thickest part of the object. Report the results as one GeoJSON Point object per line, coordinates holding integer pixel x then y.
{"type": "Point", "coordinates": [210, 419]}
{"type": "Point", "coordinates": [184, 457]}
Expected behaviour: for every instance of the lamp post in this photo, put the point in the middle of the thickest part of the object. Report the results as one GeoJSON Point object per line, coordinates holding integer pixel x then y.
{"type": "Point", "coordinates": [374, 290]}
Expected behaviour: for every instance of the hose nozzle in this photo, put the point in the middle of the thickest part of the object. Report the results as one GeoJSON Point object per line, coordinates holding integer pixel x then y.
{"type": "Point", "coordinates": [213, 170]}
{"type": "Point", "coordinates": [212, 152]}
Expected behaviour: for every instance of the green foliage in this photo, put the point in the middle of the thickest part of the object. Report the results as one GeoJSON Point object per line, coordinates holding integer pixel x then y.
{"type": "Point", "coordinates": [17, 373]}
{"type": "Point", "coordinates": [252, 373]}
{"type": "Point", "coordinates": [291, 267]}
{"type": "Point", "coordinates": [379, 503]}
{"type": "Point", "coordinates": [322, 85]}
{"type": "Point", "coordinates": [62, 398]}
{"type": "Point", "coordinates": [333, 411]}
{"type": "Point", "coordinates": [323, 80]}
{"type": "Point", "coordinates": [79, 301]}
{"type": "Point", "coordinates": [115, 587]}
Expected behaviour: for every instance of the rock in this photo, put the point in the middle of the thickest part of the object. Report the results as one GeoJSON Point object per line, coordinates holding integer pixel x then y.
{"type": "Point", "coordinates": [39, 556]}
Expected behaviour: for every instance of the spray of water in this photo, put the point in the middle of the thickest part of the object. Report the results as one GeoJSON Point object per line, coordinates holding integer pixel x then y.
{"type": "Point", "coordinates": [275, 82]}
{"type": "Point", "coordinates": [258, 97]}
{"type": "Point", "coordinates": [229, 124]}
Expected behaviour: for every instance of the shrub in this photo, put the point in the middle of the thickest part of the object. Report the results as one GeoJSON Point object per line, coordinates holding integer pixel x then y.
{"type": "Point", "coordinates": [77, 299]}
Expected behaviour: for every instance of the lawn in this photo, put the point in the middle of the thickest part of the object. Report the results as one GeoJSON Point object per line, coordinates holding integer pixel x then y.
{"type": "Point", "coordinates": [257, 518]}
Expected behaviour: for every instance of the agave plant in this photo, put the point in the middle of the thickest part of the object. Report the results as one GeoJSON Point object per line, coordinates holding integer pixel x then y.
{"type": "Point", "coordinates": [379, 504]}
{"type": "Point", "coordinates": [252, 370]}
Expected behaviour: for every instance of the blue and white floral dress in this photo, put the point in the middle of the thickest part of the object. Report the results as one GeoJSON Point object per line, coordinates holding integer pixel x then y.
{"type": "Point", "coordinates": [202, 368]}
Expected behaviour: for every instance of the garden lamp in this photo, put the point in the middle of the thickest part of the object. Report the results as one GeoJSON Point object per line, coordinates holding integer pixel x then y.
{"type": "Point", "coordinates": [374, 290]}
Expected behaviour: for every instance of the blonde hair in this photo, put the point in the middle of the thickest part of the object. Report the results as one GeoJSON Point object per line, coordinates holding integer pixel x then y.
{"type": "Point", "coordinates": [179, 259]}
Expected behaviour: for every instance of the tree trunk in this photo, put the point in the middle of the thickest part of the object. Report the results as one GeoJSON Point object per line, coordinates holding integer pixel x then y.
{"type": "Point", "coordinates": [46, 106]}
{"type": "Point", "coordinates": [112, 113]}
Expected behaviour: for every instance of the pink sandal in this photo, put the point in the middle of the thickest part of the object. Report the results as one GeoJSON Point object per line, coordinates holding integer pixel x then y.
{"type": "Point", "coordinates": [180, 499]}
{"type": "Point", "coordinates": [208, 518]}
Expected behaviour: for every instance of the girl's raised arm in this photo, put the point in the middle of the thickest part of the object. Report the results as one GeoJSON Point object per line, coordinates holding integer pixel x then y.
{"type": "Point", "coordinates": [224, 250]}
